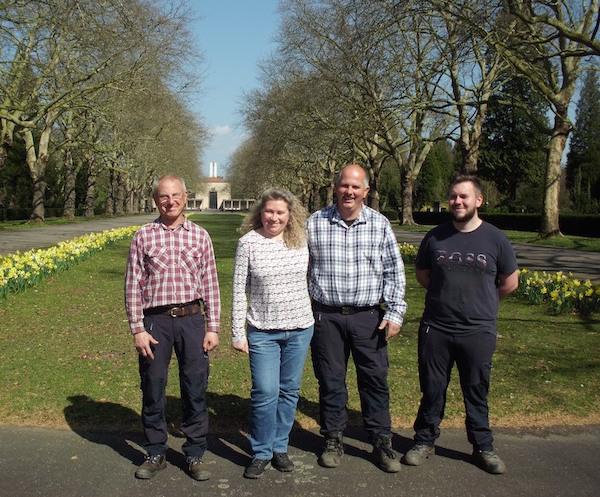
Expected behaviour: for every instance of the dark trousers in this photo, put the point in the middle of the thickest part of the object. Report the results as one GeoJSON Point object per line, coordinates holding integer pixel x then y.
{"type": "Point", "coordinates": [472, 353]}
{"type": "Point", "coordinates": [335, 337]}
{"type": "Point", "coordinates": [186, 336]}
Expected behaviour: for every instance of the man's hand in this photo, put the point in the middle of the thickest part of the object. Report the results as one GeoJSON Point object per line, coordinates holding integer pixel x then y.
{"type": "Point", "coordinates": [240, 345]}
{"type": "Point", "coordinates": [391, 329]}
{"type": "Point", "coordinates": [211, 341]}
{"type": "Point", "coordinates": [143, 344]}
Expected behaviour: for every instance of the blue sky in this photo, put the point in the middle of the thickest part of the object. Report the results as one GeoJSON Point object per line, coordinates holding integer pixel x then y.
{"type": "Point", "coordinates": [234, 35]}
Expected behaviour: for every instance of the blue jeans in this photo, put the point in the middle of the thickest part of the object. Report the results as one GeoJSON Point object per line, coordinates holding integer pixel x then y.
{"type": "Point", "coordinates": [276, 364]}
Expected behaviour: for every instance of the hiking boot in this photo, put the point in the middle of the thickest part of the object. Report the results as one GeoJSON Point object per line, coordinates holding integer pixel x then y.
{"type": "Point", "coordinates": [489, 461]}
{"type": "Point", "coordinates": [256, 468]}
{"type": "Point", "coordinates": [152, 464]}
{"type": "Point", "coordinates": [418, 454]}
{"type": "Point", "coordinates": [333, 451]}
{"type": "Point", "coordinates": [196, 469]}
{"type": "Point", "coordinates": [384, 455]}
{"type": "Point", "coordinates": [282, 462]}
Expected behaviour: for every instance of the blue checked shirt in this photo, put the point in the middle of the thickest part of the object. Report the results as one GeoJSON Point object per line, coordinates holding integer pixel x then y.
{"type": "Point", "coordinates": [357, 265]}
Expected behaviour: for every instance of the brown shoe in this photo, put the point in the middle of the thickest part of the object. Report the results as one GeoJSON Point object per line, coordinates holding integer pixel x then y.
{"type": "Point", "coordinates": [151, 465]}
{"type": "Point", "coordinates": [196, 470]}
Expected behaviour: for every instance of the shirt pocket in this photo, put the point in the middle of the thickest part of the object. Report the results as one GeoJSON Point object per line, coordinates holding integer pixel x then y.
{"type": "Point", "coordinates": [157, 260]}
{"type": "Point", "coordinates": [190, 260]}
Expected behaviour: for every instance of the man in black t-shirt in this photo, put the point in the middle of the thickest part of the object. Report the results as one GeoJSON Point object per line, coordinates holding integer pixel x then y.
{"type": "Point", "coordinates": [466, 265]}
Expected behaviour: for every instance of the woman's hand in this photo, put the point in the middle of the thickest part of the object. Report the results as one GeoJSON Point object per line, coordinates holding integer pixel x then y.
{"type": "Point", "coordinates": [241, 344]}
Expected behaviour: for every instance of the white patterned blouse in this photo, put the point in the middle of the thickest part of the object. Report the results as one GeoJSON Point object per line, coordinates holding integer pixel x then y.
{"type": "Point", "coordinates": [270, 289]}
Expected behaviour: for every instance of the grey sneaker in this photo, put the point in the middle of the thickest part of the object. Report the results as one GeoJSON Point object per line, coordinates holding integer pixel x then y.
{"type": "Point", "coordinates": [282, 462]}
{"type": "Point", "coordinates": [384, 455]}
{"type": "Point", "coordinates": [152, 464]}
{"type": "Point", "coordinates": [331, 457]}
{"type": "Point", "coordinates": [256, 468]}
{"type": "Point", "coordinates": [196, 470]}
{"type": "Point", "coordinates": [418, 454]}
{"type": "Point", "coordinates": [489, 461]}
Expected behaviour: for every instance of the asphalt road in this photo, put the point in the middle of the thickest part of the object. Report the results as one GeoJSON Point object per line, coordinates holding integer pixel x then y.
{"type": "Point", "coordinates": [60, 463]}
{"type": "Point", "coordinates": [583, 265]}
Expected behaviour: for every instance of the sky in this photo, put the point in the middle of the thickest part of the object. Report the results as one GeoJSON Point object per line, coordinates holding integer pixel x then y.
{"type": "Point", "coordinates": [234, 36]}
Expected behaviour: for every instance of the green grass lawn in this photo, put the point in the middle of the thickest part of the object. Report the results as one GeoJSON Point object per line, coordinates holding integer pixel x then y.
{"type": "Point", "coordinates": [66, 358]}
{"type": "Point", "coordinates": [566, 241]}
{"type": "Point", "coordinates": [22, 224]}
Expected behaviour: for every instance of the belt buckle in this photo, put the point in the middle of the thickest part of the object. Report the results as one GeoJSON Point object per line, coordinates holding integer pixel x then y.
{"type": "Point", "coordinates": [173, 312]}
{"type": "Point", "coordinates": [346, 310]}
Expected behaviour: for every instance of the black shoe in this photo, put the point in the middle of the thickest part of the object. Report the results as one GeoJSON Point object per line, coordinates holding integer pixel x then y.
{"type": "Point", "coordinates": [418, 454]}
{"type": "Point", "coordinates": [331, 457]}
{"type": "Point", "coordinates": [282, 462]}
{"type": "Point", "coordinates": [384, 455]}
{"type": "Point", "coordinates": [489, 461]}
{"type": "Point", "coordinates": [196, 469]}
{"type": "Point", "coordinates": [151, 465]}
{"type": "Point", "coordinates": [256, 468]}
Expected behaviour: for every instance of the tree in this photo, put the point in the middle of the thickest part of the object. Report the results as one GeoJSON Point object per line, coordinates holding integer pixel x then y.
{"type": "Point", "coordinates": [583, 164]}
{"type": "Point", "coordinates": [432, 185]}
{"type": "Point", "coordinates": [515, 139]}
{"type": "Point", "coordinates": [63, 54]}
{"type": "Point", "coordinates": [550, 55]}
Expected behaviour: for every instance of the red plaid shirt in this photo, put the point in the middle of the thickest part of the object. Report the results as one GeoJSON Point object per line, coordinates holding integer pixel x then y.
{"type": "Point", "coordinates": [171, 267]}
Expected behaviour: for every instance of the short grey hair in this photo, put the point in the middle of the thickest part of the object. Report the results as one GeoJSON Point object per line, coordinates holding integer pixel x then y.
{"type": "Point", "coordinates": [170, 177]}
{"type": "Point", "coordinates": [338, 176]}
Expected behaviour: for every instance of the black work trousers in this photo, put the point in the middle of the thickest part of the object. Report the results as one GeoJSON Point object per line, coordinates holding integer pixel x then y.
{"type": "Point", "coordinates": [186, 336]}
{"type": "Point", "coordinates": [472, 353]}
{"type": "Point", "coordinates": [337, 336]}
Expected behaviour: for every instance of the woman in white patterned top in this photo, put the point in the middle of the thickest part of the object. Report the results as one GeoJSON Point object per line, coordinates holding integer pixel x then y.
{"type": "Point", "coordinates": [270, 299]}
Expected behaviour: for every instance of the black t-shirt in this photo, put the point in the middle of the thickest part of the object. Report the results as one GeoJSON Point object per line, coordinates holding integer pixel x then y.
{"type": "Point", "coordinates": [463, 294]}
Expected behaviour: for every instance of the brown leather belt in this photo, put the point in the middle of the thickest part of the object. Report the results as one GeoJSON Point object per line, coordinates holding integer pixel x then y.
{"type": "Point", "coordinates": [177, 310]}
{"type": "Point", "coordinates": [344, 309]}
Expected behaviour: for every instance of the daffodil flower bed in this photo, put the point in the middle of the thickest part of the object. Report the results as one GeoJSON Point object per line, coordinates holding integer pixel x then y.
{"type": "Point", "coordinates": [21, 270]}
{"type": "Point", "coordinates": [559, 291]}
{"type": "Point", "coordinates": [408, 251]}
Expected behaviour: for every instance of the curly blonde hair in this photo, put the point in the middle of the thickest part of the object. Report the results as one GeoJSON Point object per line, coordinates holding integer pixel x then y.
{"type": "Point", "coordinates": [293, 235]}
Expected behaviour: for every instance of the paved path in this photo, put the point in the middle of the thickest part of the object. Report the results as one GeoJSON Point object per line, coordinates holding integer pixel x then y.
{"type": "Point", "coordinates": [52, 463]}
{"type": "Point", "coordinates": [45, 236]}
{"type": "Point", "coordinates": [536, 257]}
{"type": "Point", "coordinates": [584, 265]}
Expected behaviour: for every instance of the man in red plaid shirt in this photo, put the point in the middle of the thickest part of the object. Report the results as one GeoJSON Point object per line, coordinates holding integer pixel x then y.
{"type": "Point", "coordinates": [172, 301]}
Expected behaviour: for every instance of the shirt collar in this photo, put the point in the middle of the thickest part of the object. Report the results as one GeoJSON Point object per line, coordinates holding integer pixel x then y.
{"type": "Point", "coordinates": [337, 218]}
{"type": "Point", "coordinates": [186, 225]}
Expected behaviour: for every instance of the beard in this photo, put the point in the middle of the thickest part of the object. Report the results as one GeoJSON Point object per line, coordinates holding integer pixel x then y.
{"type": "Point", "coordinates": [465, 217]}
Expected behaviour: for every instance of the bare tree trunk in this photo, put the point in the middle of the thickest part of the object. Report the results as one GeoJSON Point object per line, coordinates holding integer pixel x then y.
{"type": "Point", "coordinates": [90, 191]}
{"type": "Point", "coordinates": [37, 168]}
{"type": "Point", "coordinates": [119, 192]}
{"type": "Point", "coordinates": [374, 165]}
{"type": "Point", "coordinates": [407, 198]}
{"type": "Point", "coordinates": [69, 172]}
{"type": "Point", "coordinates": [550, 226]}
{"type": "Point", "coordinates": [110, 198]}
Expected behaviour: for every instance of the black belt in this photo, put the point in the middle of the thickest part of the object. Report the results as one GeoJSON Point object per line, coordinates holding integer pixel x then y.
{"type": "Point", "coordinates": [178, 310]}
{"type": "Point", "coordinates": [344, 309]}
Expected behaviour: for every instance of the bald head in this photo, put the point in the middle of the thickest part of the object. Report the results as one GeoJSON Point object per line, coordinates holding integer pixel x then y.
{"type": "Point", "coordinates": [352, 187]}
{"type": "Point", "coordinates": [352, 167]}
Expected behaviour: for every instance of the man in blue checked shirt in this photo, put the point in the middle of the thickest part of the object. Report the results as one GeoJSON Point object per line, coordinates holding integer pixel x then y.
{"type": "Point", "coordinates": [356, 283]}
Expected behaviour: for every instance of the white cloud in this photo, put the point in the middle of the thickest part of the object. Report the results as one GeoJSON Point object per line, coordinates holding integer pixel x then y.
{"type": "Point", "coordinates": [221, 130]}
